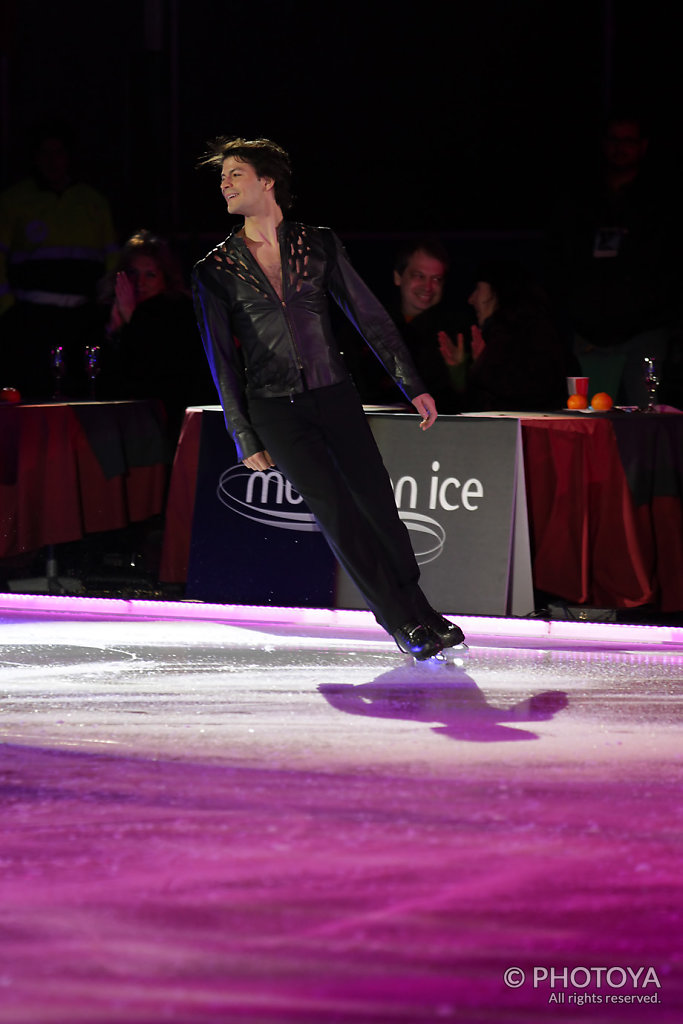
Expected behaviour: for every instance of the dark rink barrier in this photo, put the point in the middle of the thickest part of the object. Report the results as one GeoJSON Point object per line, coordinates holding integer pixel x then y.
{"type": "Point", "coordinates": [459, 488]}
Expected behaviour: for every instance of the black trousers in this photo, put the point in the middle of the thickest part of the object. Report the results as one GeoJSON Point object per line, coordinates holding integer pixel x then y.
{"type": "Point", "coordinates": [322, 443]}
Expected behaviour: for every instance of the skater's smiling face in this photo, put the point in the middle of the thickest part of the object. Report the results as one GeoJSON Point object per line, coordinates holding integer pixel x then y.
{"type": "Point", "coordinates": [244, 192]}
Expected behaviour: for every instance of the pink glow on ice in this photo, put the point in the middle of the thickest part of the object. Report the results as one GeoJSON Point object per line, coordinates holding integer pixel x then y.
{"type": "Point", "coordinates": [474, 626]}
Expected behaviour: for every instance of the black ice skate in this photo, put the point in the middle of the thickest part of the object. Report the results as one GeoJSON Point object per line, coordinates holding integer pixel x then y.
{"type": "Point", "coordinates": [451, 636]}
{"type": "Point", "coordinates": [420, 641]}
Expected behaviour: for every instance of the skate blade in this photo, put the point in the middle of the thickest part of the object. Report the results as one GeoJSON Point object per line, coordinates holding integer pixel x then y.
{"type": "Point", "coordinates": [448, 656]}
{"type": "Point", "coordinates": [455, 655]}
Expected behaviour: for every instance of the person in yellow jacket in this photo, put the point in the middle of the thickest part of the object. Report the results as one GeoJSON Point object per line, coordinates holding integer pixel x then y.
{"type": "Point", "coordinates": [57, 240]}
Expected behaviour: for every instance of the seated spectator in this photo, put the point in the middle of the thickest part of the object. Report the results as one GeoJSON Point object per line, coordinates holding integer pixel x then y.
{"type": "Point", "coordinates": [152, 347]}
{"type": "Point", "coordinates": [519, 359]}
{"type": "Point", "coordinates": [433, 333]}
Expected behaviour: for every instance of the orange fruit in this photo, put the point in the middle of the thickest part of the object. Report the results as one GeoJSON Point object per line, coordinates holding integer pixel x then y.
{"type": "Point", "coordinates": [601, 402]}
{"type": "Point", "coordinates": [577, 402]}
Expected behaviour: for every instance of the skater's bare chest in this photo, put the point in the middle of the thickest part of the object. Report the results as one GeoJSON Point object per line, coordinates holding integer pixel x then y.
{"type": "Point", "coordinates": [268, 259]}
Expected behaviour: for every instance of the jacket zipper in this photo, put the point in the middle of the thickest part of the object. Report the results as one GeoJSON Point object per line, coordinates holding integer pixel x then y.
{"type": "Point", "coordinates": [283, 304]}
{"type": "Point", "coordinates": [290, 328]}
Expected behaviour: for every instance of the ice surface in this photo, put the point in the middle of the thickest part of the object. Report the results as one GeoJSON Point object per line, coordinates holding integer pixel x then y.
{"type": "Point", "coordinates": [260, 822]}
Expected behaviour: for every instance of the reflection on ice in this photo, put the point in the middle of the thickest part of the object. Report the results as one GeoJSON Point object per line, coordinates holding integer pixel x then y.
{"type": "Point", "coordinates": [445, 694]}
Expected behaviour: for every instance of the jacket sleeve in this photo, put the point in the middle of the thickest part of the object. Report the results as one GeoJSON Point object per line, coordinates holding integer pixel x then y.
{"type": "Point", "coordinates": [370, 319]}
{"type": "Point", "coordinates": [225, 363]}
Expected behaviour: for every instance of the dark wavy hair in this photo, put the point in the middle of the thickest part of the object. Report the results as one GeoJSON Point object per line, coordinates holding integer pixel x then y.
{"type": "Point", "coordinates": [429, 244]}
{"type": "Point", "coordinates": [267, 158]}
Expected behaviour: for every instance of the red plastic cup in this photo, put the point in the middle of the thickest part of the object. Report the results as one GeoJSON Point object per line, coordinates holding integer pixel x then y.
{"type": "Point", "coordinates": [578, 386]}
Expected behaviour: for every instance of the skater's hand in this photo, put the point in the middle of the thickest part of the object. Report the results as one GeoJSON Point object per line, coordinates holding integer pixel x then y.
{"type": "Point", "coordinates": [426, 406]}
{"type": "Point", "coordinates": [259, 461]}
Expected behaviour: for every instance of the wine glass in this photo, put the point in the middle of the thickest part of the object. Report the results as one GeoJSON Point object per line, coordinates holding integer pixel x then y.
{"type": "Point", "coordinates": [92, 366]}
{"type": "Point", "coordinates": [58, 370]}
{"type": "Point", "coordinates": [651, 379]}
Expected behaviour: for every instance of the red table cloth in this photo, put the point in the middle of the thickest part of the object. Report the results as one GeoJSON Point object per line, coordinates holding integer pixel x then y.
{"type": "Point", "coordinates": [67, 469]}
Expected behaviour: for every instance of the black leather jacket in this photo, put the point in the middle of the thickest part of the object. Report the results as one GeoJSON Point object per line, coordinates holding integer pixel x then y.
{"type": "Point", "coordinates": [260, 346]}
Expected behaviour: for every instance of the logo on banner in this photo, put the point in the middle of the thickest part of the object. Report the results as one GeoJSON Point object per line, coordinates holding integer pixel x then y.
{"type": "Point", "coordinates": [256, 499]}
{"type": "Point", "coordinates": [268, 499]}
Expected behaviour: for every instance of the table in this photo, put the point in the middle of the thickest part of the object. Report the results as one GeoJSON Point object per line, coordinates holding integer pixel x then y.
{"type": "Point", "coordinates": [71, 468]}
{"type": "Point", "coordinates": [605, 500]}
{"type": "Point", "coordinates": [605, 505]}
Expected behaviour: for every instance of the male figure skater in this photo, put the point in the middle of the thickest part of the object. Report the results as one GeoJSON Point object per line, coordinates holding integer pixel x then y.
{"type": "Point", "coordinates": [262, 305]}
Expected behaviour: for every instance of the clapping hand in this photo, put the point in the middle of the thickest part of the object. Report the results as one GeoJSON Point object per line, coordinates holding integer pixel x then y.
{"type": "Point", "coordinates": [452, 355]}
{"type": "Point", "coordinates": [478, 343]}
{"type": "Point", "coordinates": [125, 301]}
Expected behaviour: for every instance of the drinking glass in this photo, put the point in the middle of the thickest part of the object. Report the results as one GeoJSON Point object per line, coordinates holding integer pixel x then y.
{"type": "Point", "coordinates": [651, 379]}
{"type": "Point", "coordinates": [92, 366]}
{"type": "Point", "coordinates": [58, 370]}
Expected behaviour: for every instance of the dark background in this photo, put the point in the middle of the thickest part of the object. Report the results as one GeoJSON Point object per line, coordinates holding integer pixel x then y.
{"type": "Point", "coordinates": [462, 118]}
